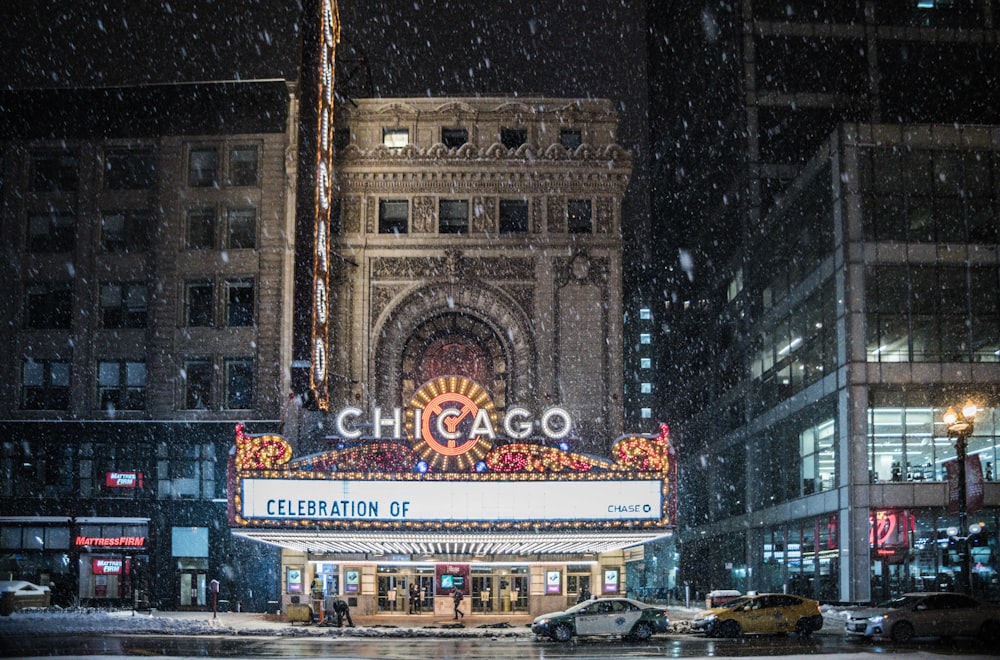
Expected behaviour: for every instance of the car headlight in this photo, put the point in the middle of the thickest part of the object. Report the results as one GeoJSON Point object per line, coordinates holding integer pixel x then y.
{"type": "Point", "coordinates": [542, 622]}
{"type": "Point", "coordinates": [709, 618]}
{"type": "Point", "coordinates": [876, 619]}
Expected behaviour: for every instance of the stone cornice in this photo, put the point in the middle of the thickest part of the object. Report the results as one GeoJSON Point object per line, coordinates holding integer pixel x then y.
{"type": "Point", "coordinates": [495, 154]}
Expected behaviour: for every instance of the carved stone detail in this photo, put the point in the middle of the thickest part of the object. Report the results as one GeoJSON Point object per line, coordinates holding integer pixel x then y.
{"type": "Point", "coordinates": [605, 218]}
{"type": "Point", "coordinates": [556, 207]}
{"type": "Point", "coordinates": [424, 218]}
{"type": "Point", "coordinates": [382, 296]}
{"type": "Point", "coordinates": [351, 207]}
{"type": "Point", "coordinates": [484, 215]}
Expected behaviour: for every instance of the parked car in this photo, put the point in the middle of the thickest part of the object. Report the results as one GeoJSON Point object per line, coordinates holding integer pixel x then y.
{"type": "Point", "coordinates": [761, 614]}
{"type": "Point", "coordinates": [927, 614]}
{"type": "Point", "coordinates": [603, 616]}
{"type": "Point", "coordinates": [18, 594]}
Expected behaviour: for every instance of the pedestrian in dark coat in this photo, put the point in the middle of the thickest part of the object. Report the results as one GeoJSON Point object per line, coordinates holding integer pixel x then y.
{"type": "Point", "coordinates": [457, 596]}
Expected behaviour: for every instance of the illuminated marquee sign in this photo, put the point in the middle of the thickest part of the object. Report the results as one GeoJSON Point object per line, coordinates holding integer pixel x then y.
{"type": "Point", "coordinates": [451, 500]}
{"type": "Point", "coordinates": [450, 459]}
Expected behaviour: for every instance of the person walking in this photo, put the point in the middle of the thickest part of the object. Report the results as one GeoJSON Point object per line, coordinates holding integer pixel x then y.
{"type": "Point", "coordinates": [414, 598]}
{"type": "Point", "coordinates": [457, 596]}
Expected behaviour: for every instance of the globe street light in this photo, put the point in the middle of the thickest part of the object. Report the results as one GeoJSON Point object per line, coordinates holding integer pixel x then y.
{"type": "Point", "coordinates": [960, 426]}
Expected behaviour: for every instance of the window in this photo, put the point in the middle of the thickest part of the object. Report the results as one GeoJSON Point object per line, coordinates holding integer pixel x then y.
{"type": "Point", "coordinates": [453, 216]}
{"type": "Point", "coordinates": [243, 165]}
{"type": "Point", "coordinates": [512, 138]}
{"type": "Point", "coordinates": [197, 380]}
{"type": "Point", "coordinates": [578, 216]}
{"type": "Point", "coordinates": [45, 385]}
{"type": "Point", "coordinates": [200, 233]}
{"type": "Point", "coordinates": [239, 302]}
{"type": "Point", "coordinates": [54, 172]}
{"type": "Point", "coordinates": [48, 305]}
{"type": "Point", "coordinates": [453, 138]}
{"type": "Point", "coordinates": [125, 231]}
{"type": "Point", "coordinates": [392, 216]}
{"type": "Point", "coordinates": [51, 232]}
{"type": "Point", "coordinates": [129, 169]}
{"type": "Point", "coordinates": [816, 451]}
{"type": "Point", "coordinates": [395, 138]}
{"type": "Point", "coordinates": [513, 216]}
{"type": "Point", "coordinates": [646, 413]}
{"type": "Point", "coordinates": [646, 388]}
{"type": "Point", "coordinates": [646, 314]}
{"type": "Point", "coordinates": [645, 363]}
{"type": "Point", "coordinates": [203, 167]}
{"type": "Point", "coordinates": [123, 305]}
{"type": "Point", "coordinates": [121, 385]}
{"type": "Point", "coordinates": [241, 229]}
{"type": "Point", "coordinates": [645, 338]}
{"type": "Point", "coordinates": [239, 383]}
{"type": "Point", "coordinates": [198, 304]}
{"type": "Point", "coordinates": [570, 138]}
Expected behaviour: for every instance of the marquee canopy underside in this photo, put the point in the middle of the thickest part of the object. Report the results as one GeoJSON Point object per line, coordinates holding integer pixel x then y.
{"type": "Point", "coordinates": [450, 543]}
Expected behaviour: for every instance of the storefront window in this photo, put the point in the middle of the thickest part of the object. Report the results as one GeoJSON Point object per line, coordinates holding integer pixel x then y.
{"type": "Point", "coordinates": [910, 444]}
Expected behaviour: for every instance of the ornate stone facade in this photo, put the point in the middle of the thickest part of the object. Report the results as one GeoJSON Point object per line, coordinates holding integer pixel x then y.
{"type": "Point", "coordinates": [484, 240]}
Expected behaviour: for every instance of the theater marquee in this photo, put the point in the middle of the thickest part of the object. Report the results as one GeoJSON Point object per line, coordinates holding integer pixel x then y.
{"type": "Point", "coordinates": [450, 460]}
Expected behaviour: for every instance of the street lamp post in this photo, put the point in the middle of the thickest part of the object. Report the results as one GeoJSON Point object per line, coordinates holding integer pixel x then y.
{"type": "Point", "coordinates": [960, 426]}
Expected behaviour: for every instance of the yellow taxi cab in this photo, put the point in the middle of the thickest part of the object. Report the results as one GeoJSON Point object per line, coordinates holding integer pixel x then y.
{"type": "Point", "coordinates": [761, 614]}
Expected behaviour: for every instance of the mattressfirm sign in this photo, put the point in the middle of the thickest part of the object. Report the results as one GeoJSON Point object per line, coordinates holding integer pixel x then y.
{"type": "Point", "coordinates": [436, 501]}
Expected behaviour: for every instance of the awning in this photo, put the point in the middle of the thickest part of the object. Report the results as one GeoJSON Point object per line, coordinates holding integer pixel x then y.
{"type": "Point", "coordinates": [451, 543]}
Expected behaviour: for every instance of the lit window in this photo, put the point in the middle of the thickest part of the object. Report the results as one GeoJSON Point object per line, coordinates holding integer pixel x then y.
{"type": "Point", "coordinates": [645, 363]}
{"type": "Point", "coordinates": [203, 167]}
{"type": "Point", "coordinates": [645, 338]}
{"type": "Point", "coordinates": [646, 413]}
{"type": "Point", "coordinates": [453, 216]}
{"type": "Point", "coordinates": [645, 314]}
{"type": "Point", "coordinates": [646, 388]}
{"type": "Point", "coordinates": [395, 138]}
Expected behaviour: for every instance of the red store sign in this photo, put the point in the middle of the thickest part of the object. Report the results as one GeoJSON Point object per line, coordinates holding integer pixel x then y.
{"type": "Point", "coordinates": [101, 566]}
{"type": "Point", "coordinates": [112, 542]}
{"type": "Point", "coordinates": [123, 479]}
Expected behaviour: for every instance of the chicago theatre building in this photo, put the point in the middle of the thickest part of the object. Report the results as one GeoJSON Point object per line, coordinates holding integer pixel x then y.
{"type": "Point", "coordinates": [467, 367]}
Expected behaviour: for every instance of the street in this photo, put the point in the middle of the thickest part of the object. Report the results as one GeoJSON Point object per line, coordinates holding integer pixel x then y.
{"type": "Point", "coordinates": [673, 646]}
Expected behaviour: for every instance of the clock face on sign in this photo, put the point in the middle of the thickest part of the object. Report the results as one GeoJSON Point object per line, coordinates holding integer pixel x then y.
{"type": "Point", "coordinates": [444, 420]}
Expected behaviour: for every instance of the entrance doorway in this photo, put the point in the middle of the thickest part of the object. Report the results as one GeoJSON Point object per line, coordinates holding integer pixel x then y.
{"type": "Point", "coordinates": [499, 590]}
{"type": "Point", "coordinates": [394, 584]}
{"type": "Point", "coordinates": [193, 586]}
